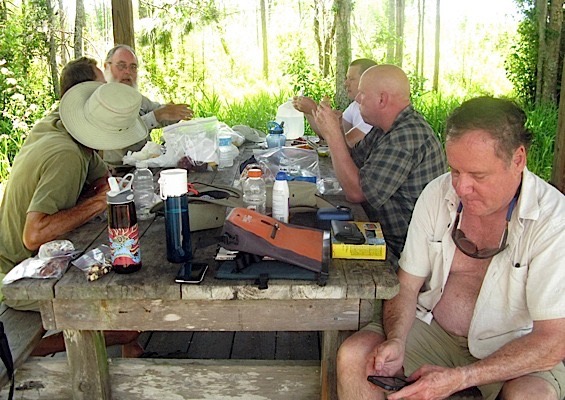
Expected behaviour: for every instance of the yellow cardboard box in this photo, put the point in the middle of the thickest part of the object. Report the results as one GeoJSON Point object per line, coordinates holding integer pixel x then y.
{"type": "Point", "coordinates": [373, 249]}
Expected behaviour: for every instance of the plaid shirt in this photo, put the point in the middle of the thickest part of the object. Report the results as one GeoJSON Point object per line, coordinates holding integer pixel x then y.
{"type": "Point", "coordinates": [394, 167]}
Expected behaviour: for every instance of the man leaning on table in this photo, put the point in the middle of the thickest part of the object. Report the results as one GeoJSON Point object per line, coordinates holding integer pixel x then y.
{"type": "Point", "coordinates": [58, 182]}
{"type": "Point", "coordinates": [121, 66]}
{"type": "Point", "coordinates": [482, 276]}
{"type": "Point", "coordinates": [387, 170]}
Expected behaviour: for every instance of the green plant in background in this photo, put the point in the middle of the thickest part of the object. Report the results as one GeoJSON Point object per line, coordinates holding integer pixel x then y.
{"type": "Point", "coordinates": [521, 64]}
{"type": "Point", "coordinates": [436, 107]}
{"type": "Point", "coordinates": [25, 87]}
{"type": "Point", "coordinates": [542, 122]}
{"type": "Point", "coordinates": [306, 78]}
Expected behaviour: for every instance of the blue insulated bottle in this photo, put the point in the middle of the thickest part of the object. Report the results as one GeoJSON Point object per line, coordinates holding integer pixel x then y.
{"type": "Point", "coordinates": [179, 244]}
{"type": "Point", "coordinates": [173, 191]}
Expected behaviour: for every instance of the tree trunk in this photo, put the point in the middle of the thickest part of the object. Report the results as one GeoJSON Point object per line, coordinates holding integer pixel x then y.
{"type": "Point", "coordinates": [343, 49]}
{"type": "Point", "coordinates": [419, 36]}
{"type": "Point", "coordinates": [122, 22]}
{"type": "Point", "coordinates": [3, 11]}
{"type": "Point", "coordinates": [558, 171]}
{"type": "Point", "coordinates": [552, 40]}
{"type": "Point", "coordinates": [329, 43]}
{"type": "Point", "coordinates": [317, 34]}
{"type": "Point", "coordinates": [63, 36]}
{"type": "Point", "coordinates": [51, 23]}
{"type": "Point", "coordinates": [541, 9]}
{"type": "Point", "coordinates": [437, 47]}
{"type": "Point", "coordinates": [264, 39]}
{"type": "Point", "coordinates": [79, 27]}
{"type": "Point", "coordinates": [391, 41]}
{"type": "Point", "coordinates": [399, 52]}
{"type": "Point", "coordinates": [422, 48]}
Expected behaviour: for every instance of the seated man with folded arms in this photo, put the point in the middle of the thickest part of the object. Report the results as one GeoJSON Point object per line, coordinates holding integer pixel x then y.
{"type": "Point", "coordinates": [387, 170]}
{"type": "Point", "coordinates": [352, 123]}
{"type": "Point", "coordinates": [58, 182]}
{"type": "Point", "coordinates": [482, 276]}
{"type": "Point", "coordinates": [121, 66]}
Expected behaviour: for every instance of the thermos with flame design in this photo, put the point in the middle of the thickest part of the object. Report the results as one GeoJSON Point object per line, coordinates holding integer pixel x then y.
{"type": "Point", "coordinates": [123, 231]}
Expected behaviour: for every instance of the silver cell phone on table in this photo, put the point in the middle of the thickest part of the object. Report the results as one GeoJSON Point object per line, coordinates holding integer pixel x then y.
{"type": "Point", "coordinates": [191, 272]}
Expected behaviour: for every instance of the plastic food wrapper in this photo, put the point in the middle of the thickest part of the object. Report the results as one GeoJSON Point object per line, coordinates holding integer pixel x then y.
{"type": "Point", "coordinates": [194, 139]}
{"type": "Point", "coordinates": [51, 261]}
{"type": "Point", "coordinates": [299, 164]}
{"type": "Point", "coordinates": [95, 263]}
{"type": "Point", "coordinates": [328, 186]}
{"type": "Point", "coordinates": [149, 151]}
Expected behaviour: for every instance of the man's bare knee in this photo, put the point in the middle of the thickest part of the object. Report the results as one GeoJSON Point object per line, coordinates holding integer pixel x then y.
{"type": "Point", "coordinates": [528, 387]}
{"type": "Point", "coordinates": [352, 360]}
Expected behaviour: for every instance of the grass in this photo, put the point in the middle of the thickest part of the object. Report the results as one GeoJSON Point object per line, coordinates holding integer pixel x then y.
{"type": "Point", "coordinates": [257, 110]}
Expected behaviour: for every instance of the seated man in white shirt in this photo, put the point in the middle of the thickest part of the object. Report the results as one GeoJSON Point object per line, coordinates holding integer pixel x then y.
{"type": "Point", "coordinates": [352, 123]}
{"type": "Point", "coordinates": [481, 276]}
{"type": "Point", "coordinates": [121, 66]}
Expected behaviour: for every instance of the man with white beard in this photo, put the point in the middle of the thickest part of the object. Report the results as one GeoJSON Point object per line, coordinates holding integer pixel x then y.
{"type": "Point", "coordinates": [121, 66]}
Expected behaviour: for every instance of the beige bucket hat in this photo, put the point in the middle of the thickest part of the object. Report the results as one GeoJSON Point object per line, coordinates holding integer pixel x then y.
{"type": "Point", "coordinates": [103, 116]}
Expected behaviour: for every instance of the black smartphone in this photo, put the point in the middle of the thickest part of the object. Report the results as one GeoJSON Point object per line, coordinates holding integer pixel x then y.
{"type": "Point", "coordinates": [191, 272]}
{"type": "Point", "coordinates": [390, 383]}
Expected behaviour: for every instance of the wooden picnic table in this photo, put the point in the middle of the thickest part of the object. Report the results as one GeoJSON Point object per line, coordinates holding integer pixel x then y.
{"type": "Point", "coordinates": [150, 300]}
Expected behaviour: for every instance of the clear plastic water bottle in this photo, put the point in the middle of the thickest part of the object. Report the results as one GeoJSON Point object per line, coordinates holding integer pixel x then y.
{"type": "Point", "coordinates": [143, 190]}
{"type": "Point", "coordinates": [254, 191]}
{"type": "Point", "coordinates": [225, 153]}
{"type": "Point", "coordinates": [281, 196]}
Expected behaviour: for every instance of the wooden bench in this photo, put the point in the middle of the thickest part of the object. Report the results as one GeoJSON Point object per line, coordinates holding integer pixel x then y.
{"type": "Point", "coordinates": [140, 379]}
{"type": "Point", "coordinates": [24, 331]}
{"type": "Point", "coordinates": [145, 378]}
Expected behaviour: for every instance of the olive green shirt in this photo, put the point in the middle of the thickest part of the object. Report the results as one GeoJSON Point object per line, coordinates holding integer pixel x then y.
{"type": "Point", "coordinates": [47, 176]}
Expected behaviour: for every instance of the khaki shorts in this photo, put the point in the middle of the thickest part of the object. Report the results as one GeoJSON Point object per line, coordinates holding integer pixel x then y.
{"type": "Point", "coordinates": [452, 351]}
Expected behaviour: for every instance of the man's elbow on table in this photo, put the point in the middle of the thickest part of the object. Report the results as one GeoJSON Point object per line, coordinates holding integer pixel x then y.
{"type": "Point", "coordinates": [34, 233]}
{"type": "Point", "coordinates": [355, 196]}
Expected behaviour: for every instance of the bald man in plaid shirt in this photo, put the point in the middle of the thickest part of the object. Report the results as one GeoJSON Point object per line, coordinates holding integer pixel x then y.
{"type": "Point", "coordinates": [387, 170]}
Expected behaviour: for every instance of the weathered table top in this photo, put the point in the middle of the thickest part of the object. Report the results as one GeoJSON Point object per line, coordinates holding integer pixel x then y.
{"type": "Point", "coordinates": [348, 279]}
{"type": "Point", "coordinates": [151, 300]}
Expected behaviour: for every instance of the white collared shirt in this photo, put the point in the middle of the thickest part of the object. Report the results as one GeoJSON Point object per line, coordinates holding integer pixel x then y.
{"type": "Point", "coordinates": [524, 283]}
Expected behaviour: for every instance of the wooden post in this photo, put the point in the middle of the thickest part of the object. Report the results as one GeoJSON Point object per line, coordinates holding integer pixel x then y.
{"type": "Point", "coordinates": [122, 21]}
{"type": "Point", "coordinates": [558, 172]}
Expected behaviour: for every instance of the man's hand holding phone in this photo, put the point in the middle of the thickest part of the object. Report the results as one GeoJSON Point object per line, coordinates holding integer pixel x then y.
{"type": "Point", "coordinates": [388, 383]}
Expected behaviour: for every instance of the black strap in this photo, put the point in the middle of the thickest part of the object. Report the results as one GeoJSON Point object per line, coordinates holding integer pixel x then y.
{"type": "Point", "coordinates": [6, 356]}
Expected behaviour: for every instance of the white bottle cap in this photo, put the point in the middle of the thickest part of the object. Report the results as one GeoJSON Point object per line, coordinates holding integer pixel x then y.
{"type": "Point", "coordinates": [173, 182]}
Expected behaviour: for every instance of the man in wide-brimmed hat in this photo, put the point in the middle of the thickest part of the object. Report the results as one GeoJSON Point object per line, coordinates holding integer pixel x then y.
{"type": "Point", "coordinates": [58, 181]}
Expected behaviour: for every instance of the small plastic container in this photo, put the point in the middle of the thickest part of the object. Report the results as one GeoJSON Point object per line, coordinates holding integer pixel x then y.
{"type": "Point", "coordinates": [276, 137]}
{"type": "Point", "coordinates": [225, 154]}
{"type": "Point", "coordinates": [281, 196]}
{"type": "Point", "coordinates": [254, 191]}
{"type": "Point", "coordinates": [143, 190]}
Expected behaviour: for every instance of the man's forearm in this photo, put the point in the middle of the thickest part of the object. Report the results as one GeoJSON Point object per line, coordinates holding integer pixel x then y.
{"type": "Point", "coordinates": [345, 169]}
{"type": "Point", "coordinates": [398, 315]}
{"type": "Point", "coordinates": [539, 350]}
{"type": "Point", "coordinates": [41, 228]}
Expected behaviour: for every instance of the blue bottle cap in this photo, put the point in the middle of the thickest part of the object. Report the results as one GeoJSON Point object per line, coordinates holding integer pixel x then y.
{"type": "Point", "coordinates": [281, 176]}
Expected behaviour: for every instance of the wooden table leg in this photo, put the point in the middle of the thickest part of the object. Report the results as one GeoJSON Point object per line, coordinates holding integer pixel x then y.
{"type": "Point", "coordinates": [331, 340]}
{"type": "Point", "coordinates": [88, 365]}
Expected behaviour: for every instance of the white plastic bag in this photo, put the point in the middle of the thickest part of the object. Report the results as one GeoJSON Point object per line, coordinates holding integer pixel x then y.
{"type": "Point", "coordinates": [51, 261]}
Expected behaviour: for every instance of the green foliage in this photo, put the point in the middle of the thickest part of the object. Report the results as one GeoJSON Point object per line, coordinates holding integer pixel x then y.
{"type": "Point", "coordinates": [436, 107]}
{"type": "Point", "coordinates": [306, 78]}
{"type": "Point", "coordinates": [521, 64]}
{"type": "Point", "coordinates": [542, 122]}
{"type": "Point", "coordinates": [25, 88]}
